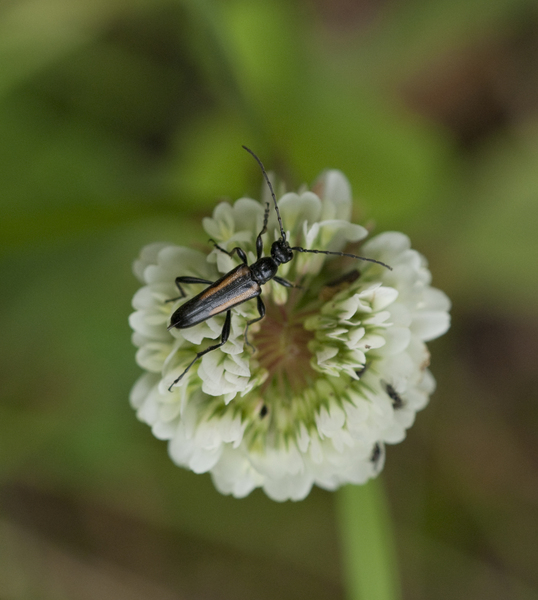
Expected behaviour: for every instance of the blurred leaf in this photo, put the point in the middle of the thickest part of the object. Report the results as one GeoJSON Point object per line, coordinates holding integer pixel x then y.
{"type": "Point", "coordinates": [490, 261]}
{"type": "Point", "coordinates": [25, 434]}
{"type": "Point", "coordinates": [62, 176]}
{"type": "Point", "coordinates": [408, 36]}
{"type": "Point", "coordinates": [446, 572]}
{"type": "Point", "coordinates": [210, 163]}
{"type": "Point", "coordinates": [35, 33]}
{"type": "Point", "coordinates": [57, 160]}
{"type": "Point", "coordinates": [117, 85]}
{"type": "Point", "coordinates": [18, 230]}
{"type": "Point", "coordinates": [317, 120]}
{"type": "Point", "coordinates": [396, 167]}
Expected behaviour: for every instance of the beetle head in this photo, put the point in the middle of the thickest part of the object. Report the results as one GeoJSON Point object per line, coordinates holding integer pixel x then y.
{"type": "Point", "coordinates": [281, 252]}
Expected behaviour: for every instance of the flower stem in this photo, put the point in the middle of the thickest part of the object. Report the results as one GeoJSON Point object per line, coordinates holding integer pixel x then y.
{"type": "Point", "coordinates": [367, 544]}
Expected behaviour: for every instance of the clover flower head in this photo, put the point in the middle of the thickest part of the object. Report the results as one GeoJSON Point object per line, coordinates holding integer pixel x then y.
{"type": "Point", "coordinates": [340, 366]}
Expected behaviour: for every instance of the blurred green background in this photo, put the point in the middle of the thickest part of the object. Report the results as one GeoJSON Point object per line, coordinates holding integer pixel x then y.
{"type": "Point", "coordinates": [121, 123]}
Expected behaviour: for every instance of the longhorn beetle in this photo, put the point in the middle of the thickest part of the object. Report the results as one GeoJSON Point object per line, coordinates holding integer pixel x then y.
{"type": "Point", "coordinates": [242, 283]}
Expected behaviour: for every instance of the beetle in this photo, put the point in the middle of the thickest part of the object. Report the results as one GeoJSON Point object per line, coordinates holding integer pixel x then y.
{"type": "Point", "coordinates": [377, 451]}
{"type": "Point", "coordinates": [397, 401]}
{"type": "Point", "coordinates": [242, 283]}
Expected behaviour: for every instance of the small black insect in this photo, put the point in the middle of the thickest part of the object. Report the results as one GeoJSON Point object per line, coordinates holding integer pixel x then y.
{"type": "Point", "coordinates": [376, 453]}
{"type": "Point", "coordinates": [242, 283]}
{"type": "Point", "coordinates": [397, 401]}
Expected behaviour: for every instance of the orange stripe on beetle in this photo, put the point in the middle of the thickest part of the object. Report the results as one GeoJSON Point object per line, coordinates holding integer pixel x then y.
{"type": "Point", "coordinates": [246, 295]}
{"type": "Point", "coordinates": [229, 278]}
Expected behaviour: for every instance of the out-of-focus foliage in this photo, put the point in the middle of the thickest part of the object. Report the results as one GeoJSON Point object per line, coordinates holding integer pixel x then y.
{"type": "Point", "coordinates": [122, 124]}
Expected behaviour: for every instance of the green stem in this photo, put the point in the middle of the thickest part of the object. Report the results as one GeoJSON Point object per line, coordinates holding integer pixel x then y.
{"type": "Point", "coordinates": [368, 548]}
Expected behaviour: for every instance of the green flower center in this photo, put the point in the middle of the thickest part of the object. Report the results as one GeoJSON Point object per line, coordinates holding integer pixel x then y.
{"type": "Point", "coordinates": [293, 390]}
{"type": "Point", "coordinates": [282, 351]}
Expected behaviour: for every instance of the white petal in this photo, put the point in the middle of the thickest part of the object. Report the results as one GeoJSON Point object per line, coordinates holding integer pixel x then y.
{"type": "Point", "coordinates": [294, 487]}
{"type": "Point", "coordinates": [222, 225]}
{"type": "Point", "coordinates": [148, 297]}
{"type": "Point", "coordinates": [248, 215]}
{"type": "Point", "coordinates": [233, 474]}
{"type": "Point", "coordinates": [180, 448]}
{"type": "Point", "coordinates": [139, 322]}
{"type": "Point", "coordinates": [203, 460]}
{"type": "Point", "coordinates": [176, 260]}
{"type": "Point", "coordinates": [195, 335]}
{"type": "Point", "coordinates": [315, 452]}
{"type": "Point", "coordinates": [153, 355]}
{"type": "Point", "coordinates": [383, 296]}
{"type": "Point", "coordinates": [356, 411]}
{"type": "Point", "coordinates": [148, 256]}
{"type": "Point", "coordinates": [326, 353]}
{"type": "Point", "coordinates": [296, 210]}
{"type": "Point", "coordinates": [428, 325]}
{"type": "Point", "coordinates": [387, 243]}
{"type": "Point", "coordinates": [336, 194]}
{"type": "Point", "coordinates": [434, 299]}
{"type": "Point", "coordinates": [397, 340]}
{"type": "Point", "coordinates": [330, 423]}
{"type": "Point", "coordinates": [333, 234]}
{"type": "Point", "coordinates": [168, 412]}
{"type": "Point", "coordinates": [303, 438]}
{"type": "Point", "coordinates": [393, 434]}
{"type": "Point", "coordinates": [164, 431]}
{"type": "Point", "coordinates": [142, 389]}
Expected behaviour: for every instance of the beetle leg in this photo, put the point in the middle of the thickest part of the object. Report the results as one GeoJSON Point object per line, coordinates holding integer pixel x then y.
{"type": "Point", "coordinates": [259, 241]}
{"type": "Point", "coordinates": [187, 279]}
{"type": "Point", "coordinates": [349, 277]}
{"type": "Point", "coordinates": [223, 339]}
{"type": "Point", "coordinates": [285, 282]}
{"type": "Point", "coordinates": [336, 285]}
{"type": "Point", "coordinates": [239, 251]}
{"type": "Point", "coordinates": [261, 310]}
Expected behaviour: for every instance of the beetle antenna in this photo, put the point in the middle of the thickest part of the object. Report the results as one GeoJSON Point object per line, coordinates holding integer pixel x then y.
{"type": "Point", "coordinates": [378, 262]}
{"type": "Point", "coordinates": [282, 233]}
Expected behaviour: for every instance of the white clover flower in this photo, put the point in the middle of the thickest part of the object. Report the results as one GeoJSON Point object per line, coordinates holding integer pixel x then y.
{"type": "Point", "coordinates": [340, 366]}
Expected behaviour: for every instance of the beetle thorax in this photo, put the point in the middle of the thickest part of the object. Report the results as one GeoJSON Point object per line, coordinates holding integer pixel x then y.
{"type": "Point", "coordinates": [264, 269]}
